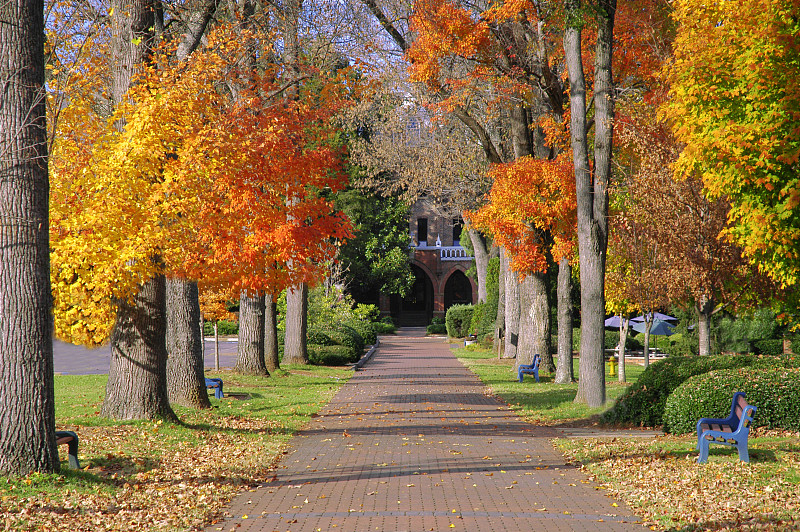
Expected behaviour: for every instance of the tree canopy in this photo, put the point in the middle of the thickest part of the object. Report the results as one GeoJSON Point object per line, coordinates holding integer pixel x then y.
{"type": "Point", "coordinates": [735, 104]}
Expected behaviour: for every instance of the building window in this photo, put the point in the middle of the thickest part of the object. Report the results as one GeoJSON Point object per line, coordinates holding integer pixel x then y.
{"type": "Point", "coordinates": [458, 225]}
{"type": "Point", "coordinates": [422, 231]}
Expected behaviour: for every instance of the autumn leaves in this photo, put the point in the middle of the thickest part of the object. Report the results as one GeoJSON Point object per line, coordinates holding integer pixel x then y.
{"type": "Point", "coordinates": [222, 188]}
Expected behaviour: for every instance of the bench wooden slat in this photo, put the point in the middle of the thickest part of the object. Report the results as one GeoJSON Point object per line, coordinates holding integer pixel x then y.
{"type": "Point", "coordinates": [732, 430]}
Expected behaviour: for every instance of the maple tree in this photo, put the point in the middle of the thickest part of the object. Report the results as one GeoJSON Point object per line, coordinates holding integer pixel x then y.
{"type": "Point", "coordinates": [671, 237]}
{"type": "Point", "coordinates": [531, 212]}
{"type": "Point", "coordinates": [734, 104]}
{"type": "Point", "coordinates": [206, 181]}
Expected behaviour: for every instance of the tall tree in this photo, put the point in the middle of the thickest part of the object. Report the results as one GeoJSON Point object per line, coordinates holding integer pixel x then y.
{"type": "Point", "coordinates": [250, 358]}
{"type": "Point", "coordinates": [591, 186]}
{"type": "Point", "coordinates": [137, 383]}
{"type": "Point", "coordinates": [185, 377]}
{"type": "Point", "coordinates": [27, 412]}
{"type": "Point", "coordinates": [271, 358]}
{"type": "Point", "coordinates": [185, 365]}
{"type": "Point", "coordinates": [295, 349]}
{"type": "Point", "coordinates": [734, 105]}
{"type": "Point", "coordinates": [685, 257]}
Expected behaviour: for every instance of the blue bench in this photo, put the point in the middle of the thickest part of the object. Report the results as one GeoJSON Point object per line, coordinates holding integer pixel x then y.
{"type": "Point", "coordinates": [732, 431]}
{"type": "Point", "coordinates": [71, 439]}
{"type": "Point", "coordinates": [216, 384]}
{"type": "Point", "coordinates": [530, 369]}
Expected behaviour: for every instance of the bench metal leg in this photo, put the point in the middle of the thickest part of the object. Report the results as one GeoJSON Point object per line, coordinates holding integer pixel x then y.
{"type": "Point", "coordinates": [72, 447]}
{"type": "Point", "coordinates": [744, 456]}
{"type": "Point", "coordinates": [702, 444]}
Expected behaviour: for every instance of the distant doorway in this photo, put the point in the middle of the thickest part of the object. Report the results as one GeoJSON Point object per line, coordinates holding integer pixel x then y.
{"type": "Point", "coordinates": [416, 309]}
{"type": "Point", "coordinates": [457, 290]}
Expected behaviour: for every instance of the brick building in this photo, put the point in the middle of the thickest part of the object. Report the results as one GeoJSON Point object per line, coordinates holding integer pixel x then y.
{"type": "Point", "coordinates": [439, 264]}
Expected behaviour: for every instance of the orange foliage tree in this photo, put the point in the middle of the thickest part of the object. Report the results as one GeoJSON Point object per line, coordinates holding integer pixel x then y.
{"type": "Point", "coordinates": [199, 180]}
{"type": "Point", "coordinates": [530, 212]}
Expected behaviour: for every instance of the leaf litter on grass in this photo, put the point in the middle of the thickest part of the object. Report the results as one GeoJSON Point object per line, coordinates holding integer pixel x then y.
{"type": "Point", "coordinates": [661, 480]}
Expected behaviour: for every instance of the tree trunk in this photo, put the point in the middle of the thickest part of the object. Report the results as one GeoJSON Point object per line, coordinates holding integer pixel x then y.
{"type": "Point", "coordinates": [271, 359]}
{"type": "Point", "coordinates": [132, 38]}
{"type": "Point", "coordinates": [564, 372]}
{"type": "Point", "coordinates": [500, 320]}
{"type": "Point", "coordinates": [250, 359]}
{"type": "Point", "coordinates": [185, 377]}
{"type": "Point", "coordinates": [481, 261]}
{"type": "Point", "coordinates": [511, 340]}
{"type": "Point", "coordinates": [624, 323]}
{"type": "Point", "coordinates": [137, 378]}
{"type": "Point", "coordinates": [295, 350]}
{"type": "Point", "coordinates": [137, 381]}
{"type": "Point", "coordinates": [27, 410]}
{"type": "Point", "coordinates": [704, 309]}
{"type": "Point", "coordinates": [591, 191]}
{"type": "Point", "coordinates": [534, 337]}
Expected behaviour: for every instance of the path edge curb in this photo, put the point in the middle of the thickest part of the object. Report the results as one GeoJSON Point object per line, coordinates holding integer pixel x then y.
{"type": "Point", "coordinates": [364, 359]}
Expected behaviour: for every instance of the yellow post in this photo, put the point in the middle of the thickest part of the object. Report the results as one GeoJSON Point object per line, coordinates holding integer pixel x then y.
{"type": "Point", "coordinates": [612, 366]}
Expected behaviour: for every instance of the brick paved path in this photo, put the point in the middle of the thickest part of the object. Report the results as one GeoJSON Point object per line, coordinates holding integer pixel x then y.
{"type": "Point", "coordinates": [412, 442]}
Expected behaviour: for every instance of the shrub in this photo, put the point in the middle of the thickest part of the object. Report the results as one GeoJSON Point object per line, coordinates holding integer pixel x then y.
{"type": "Point", "coordinates": [774, 392]}
{"type": "Point", "coordinates": [768, 347]}
{"type": "Point", "coordinates": [365, 329]}
{"type": "Point", "coordinates": [388, 320]}
{"type": "Point", "coordinates": [576, 339]}
{"type": "Point", "coordinates": [437, 320]}
{"type": "Point", "coordinates": [347, 336]}
{"type": "Point", "coordinates": [486, 323]}
{"type": "Point", "coordinates": [458, 320]}
{"type": "Point", "coordinates": [643, 402]}
{"type": "Point", "coordinates": [437, 328]}
{"type": "Point", "coordinates": [381, 327]}
{"type": "Point", "coordinates": [739, 335]}
{"type": "Point", "coordinates": [611, 339]}
{"type": "Point", "coordinates": [479, 323]}
{"type": "Point", "coordinates": [317, 337]}
{"type": "Point", "coordinates": [224, 327]}
{"type": "Point", "coordinates": [330, 355]}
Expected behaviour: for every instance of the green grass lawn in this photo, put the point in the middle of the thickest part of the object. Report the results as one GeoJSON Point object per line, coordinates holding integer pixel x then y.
{"type": "Point", "coordinates": [137, 473]}
{"type": "Point", "coordinates": [659, 477]}
{"type": "Point", "coordinates": [545, 402]}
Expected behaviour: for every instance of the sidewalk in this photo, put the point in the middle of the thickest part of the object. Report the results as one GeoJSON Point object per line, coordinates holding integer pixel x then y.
{"type": "Point", "coordinates": [411, 442]}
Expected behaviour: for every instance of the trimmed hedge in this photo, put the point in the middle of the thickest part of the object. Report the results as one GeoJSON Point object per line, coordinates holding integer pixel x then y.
{"type": "Point", "coordinates": [330, 355]}
{"type": "Point", "coordinates": [772, 347]}
{"type": "Point", "coordinates": [643, 403]}
{"type": "Point", "coordinates": [365, 329]}
{"type": "Point", "coordinates": [382, 327]}
{"type": "Point", "coordinates": [347, 336]}
{"type": "Point", "coordinates": [774, 392]}
{"type": "Point", "coordinates": [458, 320]}
{"type": "Point", "coordinates": [437, 328]}
{"type": "Point", "coordinates": [317, 337]}
{"type": "Point", "coordinates": [224, 327]}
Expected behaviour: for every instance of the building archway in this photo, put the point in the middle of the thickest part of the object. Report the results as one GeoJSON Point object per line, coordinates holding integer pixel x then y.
{"type": "Point", "coordinates": [416, 309]}
{"type": "Point", "coordinates": [457, 290]}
